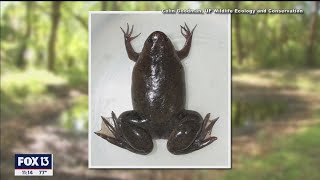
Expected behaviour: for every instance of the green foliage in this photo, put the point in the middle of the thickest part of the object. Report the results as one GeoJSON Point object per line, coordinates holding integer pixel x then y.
{"type": "Point", "coordinates": [271, 40]}
{"type": "Point", "coordinates": [76, 118]}
{"type": "Point", "coordinates": [77, 78]}
{"type": "Point", "coordinates": [295, 157]}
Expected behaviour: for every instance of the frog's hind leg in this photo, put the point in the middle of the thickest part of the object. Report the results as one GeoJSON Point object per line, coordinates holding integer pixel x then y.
{"type": "Point", "coordinates": [130, 132]}
{"type": "Point", "coordinates": [192, 133]}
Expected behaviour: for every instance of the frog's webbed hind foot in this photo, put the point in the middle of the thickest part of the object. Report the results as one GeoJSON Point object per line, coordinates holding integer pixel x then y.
{"type": "Point", "coordinates": [193, 133]}
{"type": "Point", "coordinates": [138, 142]}
{"type": "Point", "coordinates": [117, 138]}
{"type": "Point", "coordinates": [204, 138]}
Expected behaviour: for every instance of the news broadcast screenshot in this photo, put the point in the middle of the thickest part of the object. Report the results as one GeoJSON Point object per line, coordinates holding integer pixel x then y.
{"type": "Point", "coordinates": [161, 90]}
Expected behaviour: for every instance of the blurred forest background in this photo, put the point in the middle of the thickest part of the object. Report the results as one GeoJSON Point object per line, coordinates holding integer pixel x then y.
{"type": "Point", "coordinates": [275, 89]}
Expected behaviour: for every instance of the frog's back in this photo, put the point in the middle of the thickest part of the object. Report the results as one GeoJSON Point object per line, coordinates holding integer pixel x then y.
{"type": "Point", "coordinates": [158, 87]}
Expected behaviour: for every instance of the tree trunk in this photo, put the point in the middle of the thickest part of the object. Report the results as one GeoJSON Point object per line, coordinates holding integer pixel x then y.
{"type": "Point", "coordinates": [55, 18]}
{"type": "Point", "coordinates": [238, 34]}
{"type": "Point", "coordinates": [310, 54]}
{"type": "Point", "coordinates": [103, 5]}
{"type": "Point", "coordinates": [115, 6]}
{"type": "Point", "coordinates": [237, 116]}
{"type": "Point", "coordinates": [282, 33]}
{"type": "Point", "coordinates": [178, 4]}
{"type": "Point", "coordinates": [21, 61]}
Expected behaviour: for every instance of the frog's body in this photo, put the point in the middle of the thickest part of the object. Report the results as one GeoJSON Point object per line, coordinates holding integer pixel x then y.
{"type": "Point", "coordinates": [158, 88]}
{"type": "Point", "coordinates": [158, 98]}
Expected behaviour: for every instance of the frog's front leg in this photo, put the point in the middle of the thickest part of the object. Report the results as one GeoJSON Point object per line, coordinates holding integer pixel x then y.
{"type": "Point", "coordinates": [192, 133]}
{"type": "Point", "coordinates": [188, 35]}
{"type": "Point", "coordinates": [130, 132]}
{"type": "Point", "coordinates": [127, 40]}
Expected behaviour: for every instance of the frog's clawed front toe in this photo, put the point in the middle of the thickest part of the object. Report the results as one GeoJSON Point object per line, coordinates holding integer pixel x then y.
{"type": "Point", "coordinates": [128, 34]}
{"type": "Point", "coordinates": [188, 32]}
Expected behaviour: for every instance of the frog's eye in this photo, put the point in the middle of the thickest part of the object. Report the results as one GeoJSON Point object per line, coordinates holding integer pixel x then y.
{"type": "Point", "coordinates": [166, 39]}
{"type": "Point", "coordinates": [150, 40]}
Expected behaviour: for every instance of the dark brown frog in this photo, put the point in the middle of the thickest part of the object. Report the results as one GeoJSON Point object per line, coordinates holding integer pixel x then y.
{"type": "Point", "coordinates": [158, 97]}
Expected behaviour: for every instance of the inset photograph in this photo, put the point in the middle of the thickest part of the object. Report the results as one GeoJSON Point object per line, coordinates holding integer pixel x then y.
{"type": "Point", "coordinates": [159, 90]}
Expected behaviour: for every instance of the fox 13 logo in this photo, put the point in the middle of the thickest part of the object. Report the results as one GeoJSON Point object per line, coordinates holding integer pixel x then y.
{"type": "Point", "coordinates": [33, 165]}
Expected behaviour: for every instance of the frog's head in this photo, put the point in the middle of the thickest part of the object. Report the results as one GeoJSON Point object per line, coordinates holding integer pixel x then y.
{"type": "Point", "coordinates": [158, 43]}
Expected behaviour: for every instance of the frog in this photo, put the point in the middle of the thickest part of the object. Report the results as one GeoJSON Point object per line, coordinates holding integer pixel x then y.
{"type": "Point", "coordinates": [158, 95]}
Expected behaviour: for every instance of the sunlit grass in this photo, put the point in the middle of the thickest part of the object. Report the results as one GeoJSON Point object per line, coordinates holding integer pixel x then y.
{"type": "Point", "coordinates": [22, 88]}
{"type": "Point", "coordinates": [303, 81]}
{"type": "Point", "coordinates": [294, 157]}
{"type": "Point", "coordinates": [32, 81]}
{"type": "Point", "coordinates": [316, 113]}
{"type": "Point", "coordinates": [306, 80]}
{"type": "Point", "coordinates": [257, 111]}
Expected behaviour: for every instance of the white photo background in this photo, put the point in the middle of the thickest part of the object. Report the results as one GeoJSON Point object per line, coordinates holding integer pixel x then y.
{"type": "Point", "coordinates": [207, 70]}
